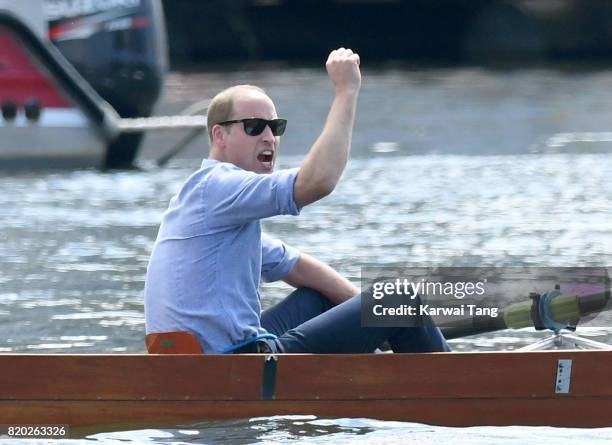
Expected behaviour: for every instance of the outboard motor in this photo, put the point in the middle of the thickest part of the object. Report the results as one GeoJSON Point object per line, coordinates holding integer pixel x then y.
{"type": "Point", "coordinates": [50, 117]}
{"type": "Point", "coordinates": [119, 47]}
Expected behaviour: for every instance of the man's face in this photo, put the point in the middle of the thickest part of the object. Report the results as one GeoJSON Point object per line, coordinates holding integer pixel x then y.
{"type": "Point", "coordinates": [254, 153]}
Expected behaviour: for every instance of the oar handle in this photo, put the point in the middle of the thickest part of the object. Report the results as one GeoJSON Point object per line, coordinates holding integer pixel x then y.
{"type": "Point", "coordinates": [564, 308]}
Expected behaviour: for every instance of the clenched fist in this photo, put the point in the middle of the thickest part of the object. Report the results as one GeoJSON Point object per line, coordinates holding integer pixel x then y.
{"type": "Point", "coordinates": [343, 69]}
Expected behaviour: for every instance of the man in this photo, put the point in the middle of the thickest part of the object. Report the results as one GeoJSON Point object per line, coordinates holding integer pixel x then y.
{"type": "Point", "coordinates": [210, 253]}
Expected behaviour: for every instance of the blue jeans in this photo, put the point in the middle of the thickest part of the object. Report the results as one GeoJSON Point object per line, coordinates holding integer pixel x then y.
{"type": "Point", "coordinates": [307, 322]}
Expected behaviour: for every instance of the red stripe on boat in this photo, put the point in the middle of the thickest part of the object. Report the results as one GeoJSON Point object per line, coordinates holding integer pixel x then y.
{"type": "Point", "coordinates": [21, 79]}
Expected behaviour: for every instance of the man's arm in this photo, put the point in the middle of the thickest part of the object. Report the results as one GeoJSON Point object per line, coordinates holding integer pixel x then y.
{"type": "Point", "coordinates": [312, 273]}
{"type": "Point", "coordinates": [325, 162]}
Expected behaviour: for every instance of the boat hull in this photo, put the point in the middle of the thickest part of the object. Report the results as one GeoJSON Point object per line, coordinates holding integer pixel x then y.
{"type": "Point", "coordinates": [453, 389]}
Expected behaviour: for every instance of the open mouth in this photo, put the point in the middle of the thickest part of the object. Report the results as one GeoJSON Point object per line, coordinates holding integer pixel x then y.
{"type": "Point", "coordinates": [266, 158]}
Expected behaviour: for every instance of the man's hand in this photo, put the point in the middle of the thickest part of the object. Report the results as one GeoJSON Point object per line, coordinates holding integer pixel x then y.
{"type": "Point", "coordinates": [326, 160]}
{"type": "Point", "coordinates": [312, 273]}
{"type": "Point", "coordinates": [343, 69]}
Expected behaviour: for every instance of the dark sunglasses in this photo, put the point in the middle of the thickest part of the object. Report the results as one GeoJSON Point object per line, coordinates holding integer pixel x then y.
{"type": "Point", "coordinates": [254, 126]}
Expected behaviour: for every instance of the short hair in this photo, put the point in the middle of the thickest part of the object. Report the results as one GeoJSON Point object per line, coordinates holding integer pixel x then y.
{"type": "Point", "coordinates": [222, 106]}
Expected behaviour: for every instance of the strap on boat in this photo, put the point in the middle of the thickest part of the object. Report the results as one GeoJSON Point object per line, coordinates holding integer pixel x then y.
{"type": "Point", "coordinates": [179, 342]}
{"type": "Point", "coordinates": [249, 340]}
{"type": "Point", "coordinates": [268, 382]}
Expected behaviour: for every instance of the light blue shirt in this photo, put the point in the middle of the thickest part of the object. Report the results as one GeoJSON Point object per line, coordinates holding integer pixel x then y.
{"type": "Point", "coordinates": [210, 254]}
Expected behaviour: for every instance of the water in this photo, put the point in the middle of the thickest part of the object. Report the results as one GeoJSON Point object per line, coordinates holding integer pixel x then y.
{"type": "Point", "coordinates": [310, 430]}
{"type": "Point", "coordinates": [451, 167]}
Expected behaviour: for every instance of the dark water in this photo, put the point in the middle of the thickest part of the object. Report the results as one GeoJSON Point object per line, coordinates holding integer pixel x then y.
{"type": "Point", "coordinates": [458, 167]}
{"type": "Point", "coordinates": [423, 111]}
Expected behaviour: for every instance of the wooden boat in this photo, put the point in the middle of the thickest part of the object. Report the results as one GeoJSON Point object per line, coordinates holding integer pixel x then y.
{"type": "Point", "coordinates": [102, 392]}
{"type": "Point", "coordinates": [177, 384]}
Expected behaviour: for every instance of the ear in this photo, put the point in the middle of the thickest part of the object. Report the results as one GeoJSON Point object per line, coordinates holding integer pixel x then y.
{"type": "Point", "coordinates": [218, 135]}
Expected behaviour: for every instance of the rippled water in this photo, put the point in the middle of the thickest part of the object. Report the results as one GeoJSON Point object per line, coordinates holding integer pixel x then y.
{"type": "Point", "coordinates": [309, 429]}
{"type": "Point", "coordinates": [74, 245]}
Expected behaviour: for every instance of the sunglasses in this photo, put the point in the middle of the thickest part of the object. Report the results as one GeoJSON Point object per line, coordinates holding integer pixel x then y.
{"type": "Point", "coordinates": [254, 126]}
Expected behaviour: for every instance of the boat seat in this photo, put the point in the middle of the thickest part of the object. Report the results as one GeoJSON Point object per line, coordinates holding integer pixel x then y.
{"type": "Point", "coordinates": [179, 342]}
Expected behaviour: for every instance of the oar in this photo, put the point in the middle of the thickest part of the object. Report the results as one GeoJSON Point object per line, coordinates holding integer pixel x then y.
{"type": "Point", "coordinates": [562, 309]}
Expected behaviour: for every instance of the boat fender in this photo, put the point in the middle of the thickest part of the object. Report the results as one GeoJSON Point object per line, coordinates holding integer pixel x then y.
{"type": "Point", "coordinates": [9, 110]}
{"type": "Point", "coordinates": [32, 108]}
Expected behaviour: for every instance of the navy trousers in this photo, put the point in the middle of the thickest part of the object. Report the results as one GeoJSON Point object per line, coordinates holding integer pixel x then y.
{"type": "Point", "coordinates": [308, 322]}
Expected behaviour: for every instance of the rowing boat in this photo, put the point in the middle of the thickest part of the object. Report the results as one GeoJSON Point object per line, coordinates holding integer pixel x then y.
{"type": "Point", "coordinates": [557, 388]}
{"type": "Point", "coordinates": [177, 384]}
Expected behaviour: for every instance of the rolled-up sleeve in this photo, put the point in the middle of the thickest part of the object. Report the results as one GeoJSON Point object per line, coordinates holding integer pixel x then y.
{"type": "Point", "coordinates": [278, 258]}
